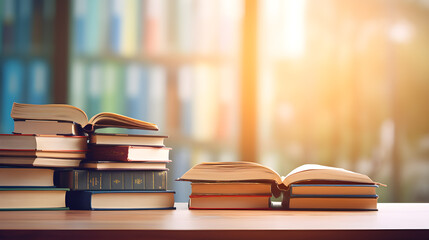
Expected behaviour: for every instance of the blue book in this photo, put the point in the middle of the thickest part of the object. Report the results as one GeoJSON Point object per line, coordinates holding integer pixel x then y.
{"type": "Point", "coordinates": [24, 25]}
{"type": "Point", "coordinates": [185, 83]}
{"type": "Point", "coordinates": [39, 87]}
{"type": "Point", "coordinates": [12, 90]}
{"type": "Point", "coordinates": [120, 200]}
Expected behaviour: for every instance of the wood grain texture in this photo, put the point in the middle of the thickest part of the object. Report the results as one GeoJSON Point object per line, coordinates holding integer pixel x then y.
{"type": "Point", "coordinates": [392, 220]}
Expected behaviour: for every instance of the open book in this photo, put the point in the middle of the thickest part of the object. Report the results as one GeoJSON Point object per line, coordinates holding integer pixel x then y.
{"type": "Point", "coordinates": [68, 113]}
{"type": "Point", "coordinates": [253, 172]}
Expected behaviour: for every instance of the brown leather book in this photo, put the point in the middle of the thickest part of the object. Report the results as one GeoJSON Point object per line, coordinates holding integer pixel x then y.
{"type": "Point", "coordinates": [127, 153]}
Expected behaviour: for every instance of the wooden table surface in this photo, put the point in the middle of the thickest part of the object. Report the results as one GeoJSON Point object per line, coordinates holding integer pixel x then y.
{"type": "Point", "coordinates": [393, 220]}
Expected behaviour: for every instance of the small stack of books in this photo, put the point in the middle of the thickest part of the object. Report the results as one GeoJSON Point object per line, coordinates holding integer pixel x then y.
{"type": "Point", "coordinates": [28, 159]}
{"type": "Point", "coordinates": [121, 172]}
{"type": "Point", "coordinates": [226, 185]}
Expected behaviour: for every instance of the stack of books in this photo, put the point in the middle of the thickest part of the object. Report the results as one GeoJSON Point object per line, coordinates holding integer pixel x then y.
{"type": "Point", "coordinates": [121, 172]}
{"type": "Point", "coordinates": [28, 158]}
{"type": "Point", "coordinates": [245, 185]}
{"type": "Point", "coordinates": [101, 181]}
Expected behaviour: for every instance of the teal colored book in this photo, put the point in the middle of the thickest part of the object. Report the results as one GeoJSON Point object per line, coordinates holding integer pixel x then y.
{"type": "Point", "coordinates": [120, 200]}
{"type": "Point", "coordinates": [111, 180]}
{"type": "Point", "coordinates": [36, 198]}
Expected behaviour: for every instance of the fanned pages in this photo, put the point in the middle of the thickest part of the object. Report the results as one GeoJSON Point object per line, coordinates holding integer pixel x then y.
{"type": "Point", "coordinates": [247, 171]}
{"type": "Point", "coordinates": [63, 112]}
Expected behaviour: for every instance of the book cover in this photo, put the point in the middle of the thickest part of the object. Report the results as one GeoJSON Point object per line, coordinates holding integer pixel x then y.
{"type": "Point", "coordinates": [85, 179]}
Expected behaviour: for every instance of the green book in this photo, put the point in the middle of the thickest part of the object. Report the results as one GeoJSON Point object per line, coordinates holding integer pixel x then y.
{"type": "Point", "coordinates": [32, 198]}
{"type": "Point", "coordinates": [111, 180]}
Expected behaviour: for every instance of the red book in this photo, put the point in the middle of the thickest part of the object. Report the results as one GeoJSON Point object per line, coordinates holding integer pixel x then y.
{"type": "Point", "coordinates": [128, 153]}
{"type": "Point", "coordinates": [230, 201]}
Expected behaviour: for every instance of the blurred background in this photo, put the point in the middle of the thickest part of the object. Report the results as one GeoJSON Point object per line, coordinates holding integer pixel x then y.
{"type": "Point", "coordinates": [281, 82]}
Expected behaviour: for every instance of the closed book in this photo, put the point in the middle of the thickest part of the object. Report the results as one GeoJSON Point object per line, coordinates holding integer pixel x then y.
{"type": "Point", "coordinates": [331, 203]}
{"type": "Point", "coordinates": [39, 161]}
{"type": "Point", "coordinates": [127, 153]}
{"type": "Point", "coordinates": [333, 189]}
{"type": "Point", "coordinates": [229, 201]}
{"type": "Point", "coordinates": [127, 139]}
{"type": "Point", "coordinates": [106, 165]}
{"type": "Point", "coordinates": [43, 142]}
{"type": "Point", "coordinates": [33, 198]}
{"type": "Point", "coordinates": [111, 180]}
{"type": "Point", "coordinates": [120, 200]}
{"type": "Point", "coordinates": [232, 188]}
{"type": "Point", "coordinates": [47, 127]}
{"type": "Point", "coordinates": [42, 154]}
{"type": "Point", "coordinates": [26, 177]}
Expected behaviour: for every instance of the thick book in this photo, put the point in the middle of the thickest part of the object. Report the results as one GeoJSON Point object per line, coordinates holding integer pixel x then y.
{"type": "Point", "coordinates": [229, 201]}
{"type": "Point", "coordinates": [26, 177]}
{"type": "Point", "coordinates": [120, 200]}
{"type": "Point", "coordinates": [39, 162]}
{"type": "Point", "coordinates": [127, 139]}
{"type": "Point", "coordinates": [43, 154]}
{"type": "Point", "coordinates": [127, 153]}
{"type": "Point", "coordinates": [230, 188]}
{"type": "Point", "coordinates": [253, 172]}
{"type": "Point", "coordinates": [111, 180]}
{"type": "Point", "coordinates": [106, 165]}
{"type": "Point", "coordinates": [63, 112]}
{"type": "Point", "coordinates": [43, 142]}
{"type": "Point", "coordinates": [46, 127]}
{"type": "Point", "coordinates": [33, 198]}
{"type": "Point", "coordinates": [331, 202]}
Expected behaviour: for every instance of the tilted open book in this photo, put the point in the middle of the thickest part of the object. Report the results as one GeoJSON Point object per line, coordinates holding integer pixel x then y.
{"type": "Point", "coordinates": [253, 172]}
{"type": "Point", "coordinates": [63, 112]}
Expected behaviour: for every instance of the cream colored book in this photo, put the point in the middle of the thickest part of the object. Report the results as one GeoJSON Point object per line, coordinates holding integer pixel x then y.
{"type": "Point", "coordinates": [63, 112]}
{"type": "Point", "coordinates": [254, 172]}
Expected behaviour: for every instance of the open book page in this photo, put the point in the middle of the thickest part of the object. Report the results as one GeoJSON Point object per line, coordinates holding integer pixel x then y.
{"type": "Point", "coordinates": [63, 112]}
{"type": "Point", "coordinates": [58, 112]}
{"type": "Point", "coordinates": [309, 172]}
{"type": "Point", "coordinates": [230, 171]}
{"type": "Point", "coordinates": [106, 119]}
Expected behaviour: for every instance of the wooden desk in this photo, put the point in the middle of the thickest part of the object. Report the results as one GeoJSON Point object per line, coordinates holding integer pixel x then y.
{"type": "Point", "coordinates": [392, 221]}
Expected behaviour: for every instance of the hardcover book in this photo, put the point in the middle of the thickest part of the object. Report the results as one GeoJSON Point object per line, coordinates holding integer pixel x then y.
{"type": "Point", "coordinates": [127, 139]}
{"type": "Point", "coordinates": [63, 112]}
{"type": "Point", "coordinates": [229, 202]}
{"type": "Point", "coordinates": [127, 153]}
{"type": "Point", "coordinates": [111, 180]}
{"type": "Point", "coordinates": [47, 127]}
{"type": "Point", "coordinates": [43, 142]}
{"type": "Point", "coordinates": [39, 162]}
{"type": "Point", "coordinates": [26, 177]}
{"type": "Point", "coordinates": [120, 200]}
{"type": "Point", "coordinates": [106, 165]}
{"type": "Point", "coordinates": [33, 198]}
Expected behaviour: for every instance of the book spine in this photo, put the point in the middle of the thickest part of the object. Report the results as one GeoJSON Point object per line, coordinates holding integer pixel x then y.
{"type": "Point", "coordinates": [111, 180]}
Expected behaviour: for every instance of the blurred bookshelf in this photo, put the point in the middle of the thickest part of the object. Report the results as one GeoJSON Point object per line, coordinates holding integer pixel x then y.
{"type": "Point", "coordinates": [174, 63]}
{"type": "Point", "coordinates": [26, 50]}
